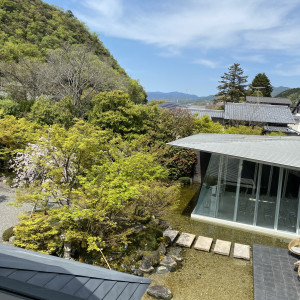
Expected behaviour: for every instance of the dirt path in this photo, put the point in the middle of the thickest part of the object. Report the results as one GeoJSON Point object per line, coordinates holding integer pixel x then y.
{"type": "Point", "coordinates": [8, 214]}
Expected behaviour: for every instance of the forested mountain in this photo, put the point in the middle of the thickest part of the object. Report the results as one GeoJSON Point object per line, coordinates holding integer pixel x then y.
{"type": "Point", "coordinates": [278, 90]}
{"type": "Point", "coordinates": [32, 31]}
{"type": "Point", "coordinates": [31, 27]}
{"type": "Point", "coordinates": [293, 94]}
{"type": "Point", "coordinates": [178, 97]}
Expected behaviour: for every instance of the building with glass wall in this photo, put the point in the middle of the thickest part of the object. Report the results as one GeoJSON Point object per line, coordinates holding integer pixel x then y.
{"type": "Point", "coordinates": [248, 181]}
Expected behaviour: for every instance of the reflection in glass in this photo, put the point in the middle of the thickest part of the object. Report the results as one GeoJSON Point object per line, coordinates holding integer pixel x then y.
{"type": "Point", "coordinates": [207, 203]}
{"type": "Point", "coordinates": [228, 185]}
{"type": "Point", "coordinates": [247, 196]}
{"type": "Point", "coordinates": [267, 196]}
{"type": "Point", "coordinates": [289, 201]}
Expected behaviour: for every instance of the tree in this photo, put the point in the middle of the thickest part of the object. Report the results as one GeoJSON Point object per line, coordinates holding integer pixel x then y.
{"type": "Point", "coordinates": [233, 85]}
{"type": "Point", "coordinates": [76, 71]}
{"type": "Point", "coordinates": [262, 80]}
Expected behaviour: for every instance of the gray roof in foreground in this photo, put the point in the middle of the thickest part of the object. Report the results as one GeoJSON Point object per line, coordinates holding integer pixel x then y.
{"type": "Point", "coordinates": [278, 150]}
{"type": "Point", "coordinates": [261, 113]}
{"type": "Point", "coordinates": [269, 100]}
{"type": "Point", "coordinates": [40, 276]}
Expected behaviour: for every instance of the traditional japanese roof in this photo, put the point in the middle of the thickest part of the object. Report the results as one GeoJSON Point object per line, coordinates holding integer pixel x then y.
{"type": "Point", "coordinates": [279, 129]}
{"type": "Point", "coordinates": [170, 105]}
{"type": "Point", "coordinates": [269, 100]}
{"type": "Point", "coordinates": [39, 276]}
{"type": "Point", "coordinates": [276, 150]}
{"type": "Point", "coordinates": [258, 113]}
{"type": "Point", "coordinates": [212, 113]}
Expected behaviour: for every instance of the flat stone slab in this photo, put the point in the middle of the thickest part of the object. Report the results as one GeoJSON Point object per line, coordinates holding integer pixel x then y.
{"type": "Point", "coordinates": [203, 243]}
{"type": "Point", "coordinates": [241, 251]}
{"type": "Point", "coordinates": [222, 247]}
{"type": "Point", "coordinates": [172, 234]}
{"type": "Point", "coordinates": [186, 240]}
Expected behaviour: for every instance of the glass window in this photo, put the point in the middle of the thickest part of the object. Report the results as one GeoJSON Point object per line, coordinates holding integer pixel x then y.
{"type": "Point", "coordinates": [247, 195]}
{"type": "Point", "coordinates": [227, 189]}
{"type": "Point", "coordinates": [267, 196]}
{"type": "Point", "coordinates": [207, 202]}
{"type": "Point", "coordinates": [288, 211]}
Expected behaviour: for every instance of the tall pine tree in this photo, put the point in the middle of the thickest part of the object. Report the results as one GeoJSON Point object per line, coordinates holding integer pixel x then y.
{"type": "Point", "coordinates": [233, 84]}
{"type": "Point", "coordinates": [262, 81]}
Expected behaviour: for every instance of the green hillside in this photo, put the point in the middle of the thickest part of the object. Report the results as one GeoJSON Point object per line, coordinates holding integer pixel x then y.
{"type": "Point", "coordinates": [31, 30]}
{"type": "Point", "coordinates": [293, 94]}
{"type": "Point", "coordinates": [31, 27]}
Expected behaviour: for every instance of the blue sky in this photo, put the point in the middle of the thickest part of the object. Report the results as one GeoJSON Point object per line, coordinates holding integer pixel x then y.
{"type": "Point", "coordinates": [186, 45]}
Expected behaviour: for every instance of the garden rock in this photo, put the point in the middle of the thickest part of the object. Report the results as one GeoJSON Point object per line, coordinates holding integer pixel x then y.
{"type": "Point", "coordinates": [175, 253]}
{"type": "Point", "coordinates": [170, 263]}
{"type": "Point", "coordinates": [146, 266]}
{"type": "Point", "coordinates": [162, 249]}
{"type": "Point", "coordinates": [159, 292]}
{"type": "Point", "coordinates": [12, 239]}
{"type": "Point", "coordinates": [162, 270]}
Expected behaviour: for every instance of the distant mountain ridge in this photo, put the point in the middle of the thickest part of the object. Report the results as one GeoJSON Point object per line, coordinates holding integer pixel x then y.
{"type": "Point", "coordinates": [293, 94]}
{"type": "Point", "coordinates": [178, 97]}
{"type": "Point", "coordinates": [278, 90]}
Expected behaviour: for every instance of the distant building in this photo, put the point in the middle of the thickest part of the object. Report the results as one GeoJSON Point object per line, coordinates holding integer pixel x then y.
{"type": "Point", "coordinates": [27, 274]}
{"type": "Point", "coordinates": [271, 117]}
{"type": "Point", "coordinates": [269, 100]}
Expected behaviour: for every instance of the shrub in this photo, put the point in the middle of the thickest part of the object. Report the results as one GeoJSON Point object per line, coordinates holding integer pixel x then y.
{"type": "Point", "coordinates": [184, 180]}
{"type": "Point", "coordinates": [9, 232]}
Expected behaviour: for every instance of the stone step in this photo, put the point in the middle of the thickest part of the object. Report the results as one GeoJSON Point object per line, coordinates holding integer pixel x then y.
{"type": "Point", "coordinates": [172, 234]}
{"type": "Point", "coordinates": [186, 240]}
{"type": "Point", "coordinates": [222, 247]}
{"type": "Point", "coordinates": [241, 251]}
{"type": "Point", "coordinates": [203, 243]}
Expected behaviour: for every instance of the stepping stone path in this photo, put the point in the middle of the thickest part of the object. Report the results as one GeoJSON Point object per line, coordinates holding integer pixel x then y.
{"type": "Point", "coordinates": [222, 247]}
{"type": "Point", "coordinates": [203, 243]}
{"type": "Point", "coordinates": [241, 251]}
{"type": "Point", "coordinates": [172, 234]}
{"type": "Point", "coordinates": [186, 240]}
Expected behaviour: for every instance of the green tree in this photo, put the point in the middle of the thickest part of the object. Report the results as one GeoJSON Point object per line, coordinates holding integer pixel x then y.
{"type": "Point", "coordinates": [262, 81]}
{"type": "Point", "coordinates": [233, 84]}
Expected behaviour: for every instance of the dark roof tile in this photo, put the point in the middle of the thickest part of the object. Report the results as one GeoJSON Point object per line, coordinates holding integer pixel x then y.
{"type": "Point", "coordinates": [269, 100]}
{"type": "Point", "coordinates": [60, 278]}
{"type": "Point", "coordinates": [258, 113]}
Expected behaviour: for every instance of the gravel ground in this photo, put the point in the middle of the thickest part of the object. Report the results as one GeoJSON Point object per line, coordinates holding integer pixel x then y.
{"type": "Point", "coordinates": [9, 214]}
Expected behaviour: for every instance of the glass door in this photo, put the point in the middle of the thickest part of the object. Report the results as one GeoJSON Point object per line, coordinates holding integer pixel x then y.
{"type": "Point", "coordinates": [247, 194]}
{"type": "Point", "coordinates": [266, 206]}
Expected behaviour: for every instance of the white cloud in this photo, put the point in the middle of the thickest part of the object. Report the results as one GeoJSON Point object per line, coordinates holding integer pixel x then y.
{"type": "Point", "coordinates": [178, 24]}
{"type": "Point", "coordinates": [207, 63]}
{"type": "Point", "coordinates": [257, 58]}
{"type": "Point", "coordinates": [288, 71]}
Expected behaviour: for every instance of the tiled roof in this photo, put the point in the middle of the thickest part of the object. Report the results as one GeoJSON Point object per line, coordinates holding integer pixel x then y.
{"type": "Point", "coordinates": [269, 100]}
{"type": "Point", "coordinates": [277, 150]}
{"type": "Point", "coordinates": [170, 105]}
{"type": "Point", "coordinates": [210, 112]}
{"type": "Point", "coordinates": [42, 276]}
{"type": "Point", "coordinates": [277, 129]}
{"type": "Point", "coordinates": [259, 113]}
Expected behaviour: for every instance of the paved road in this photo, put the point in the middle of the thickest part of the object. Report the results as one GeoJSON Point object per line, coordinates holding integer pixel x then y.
{"type": "Point", "coordinates": [8, 214]}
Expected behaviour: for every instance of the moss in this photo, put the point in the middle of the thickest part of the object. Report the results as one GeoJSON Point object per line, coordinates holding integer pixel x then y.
{"type": "Point", "coordinates": [9, 232]}
{"type": "Point", "coordinates": [147, 239]}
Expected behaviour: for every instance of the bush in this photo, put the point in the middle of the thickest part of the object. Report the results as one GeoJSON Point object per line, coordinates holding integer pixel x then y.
{"type": "Point", "coordinates": [184, 180]}
{"type": "Point", "coordinates": [9, 232]}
